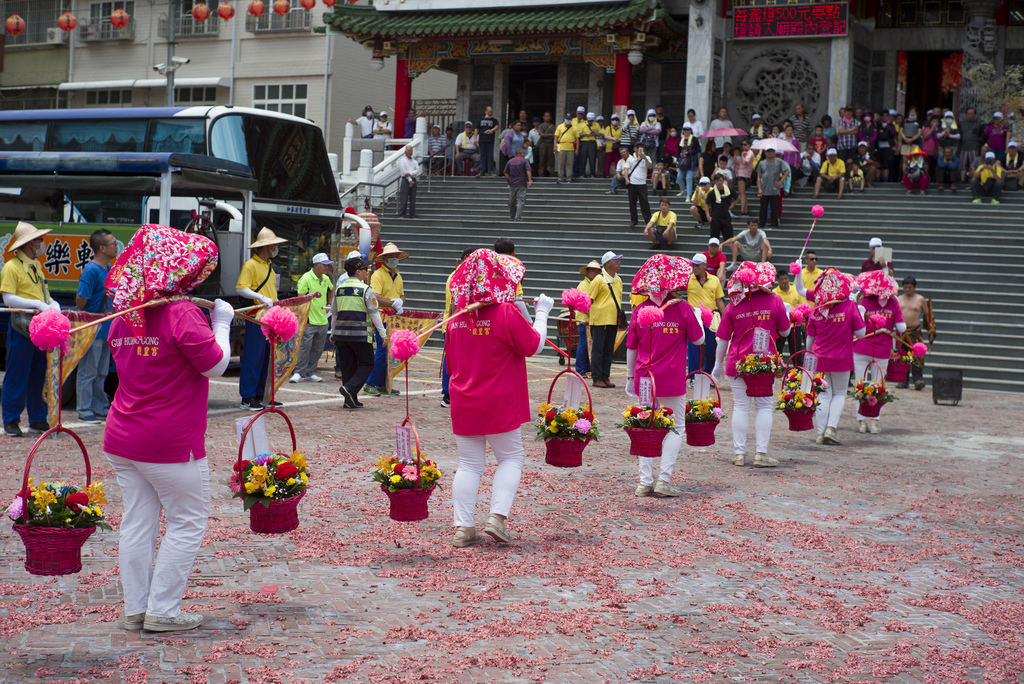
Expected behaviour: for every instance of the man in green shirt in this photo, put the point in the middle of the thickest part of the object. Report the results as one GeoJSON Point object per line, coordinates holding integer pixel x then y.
{"type": "Point", "coordinates": [315, 281]}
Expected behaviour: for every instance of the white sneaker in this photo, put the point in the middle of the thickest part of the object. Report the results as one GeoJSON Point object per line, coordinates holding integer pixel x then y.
{"type": "Point", "coordinates": [644, 490]}
{"type": "Point", "coordinates": [295, 378]}
{"type": "Point", "coordinates": [875, 428]}
{"type": "Point", "coordinates": [495, 528]}
{"type": "Point", "coordinates": [739, 459]}
{"type": "Point", "coordinates": [178, 623]}
{"type": "Point", "coordinates": [831, 436]}
{"type": "Point", "coordinates": [862, 428]}
{"type": "Point", "coordinates": [664, 489]}
{"type": "Point", "coordinates": [315, 378]}
{"type": "Point", "coordinates": [820, 440]}
{"type": "Point", "coordinates": [134, 621]}
{"type": "Point", "coordinates": [764, 461]}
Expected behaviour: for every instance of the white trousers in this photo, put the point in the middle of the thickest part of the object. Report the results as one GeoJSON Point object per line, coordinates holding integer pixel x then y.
{"type": "Point", "coordinates": [860, 364]}
{"type": "Point", "coordinates": [508, 450]}
{"type": "Point", "coordinates": [741, 418]}
{"type": "Point", "coordinates": [669, 448]}
{"type": "Point", "coordinates": [831, 400]}
{"type": "Point", "coordinates": [182, 491]}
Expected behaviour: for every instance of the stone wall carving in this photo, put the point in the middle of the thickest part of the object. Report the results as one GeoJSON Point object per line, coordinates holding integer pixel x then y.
{"type": "Point", "coordinates": [979, 45]}
{"type": "Point", "coordinates": [770, 80]}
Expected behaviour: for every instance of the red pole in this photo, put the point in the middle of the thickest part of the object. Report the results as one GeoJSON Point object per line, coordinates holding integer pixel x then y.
{"type": "Point", "coordinates": [403, 96]}
{"type": "Point", "coordinates": [623, 85]}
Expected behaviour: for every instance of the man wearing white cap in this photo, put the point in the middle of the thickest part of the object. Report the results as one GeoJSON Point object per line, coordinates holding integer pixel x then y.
{"type": "Point", "coordinates": [24, 287]}
{"type": "Point", "coordinates": [872, 263]}
{"type": "Point", "coordinates": [605, 312]}
{"type": "Point", "coordinates": [771, 176]}
{"type": "Point", "coordinates": [715, 258]}
{"type": "Point", "coordinates": [996, 134]}
{"type": "Point", "coordinates": [1011, 166]}
{"type": "Point", "coordinates": [582, 128]}
{"type": "Point", "coordinates": [566, 149]}
{"type": "Point", "coordinates": [589, 132]}
{"type": "Point", "coordinates": [987, 178]}
{"type": "Point", "coordinates": [317, 282]}
{"type": "Point", "coordinates": [832, 175]}
{"type": "Point", "coordinates": [257, 281]}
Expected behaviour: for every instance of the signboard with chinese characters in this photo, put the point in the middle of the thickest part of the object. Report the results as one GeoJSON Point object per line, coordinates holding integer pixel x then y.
{"type": "Point", "coordinates": [791, 21]}
{"type": "Point", "coordinates": [66, 254]}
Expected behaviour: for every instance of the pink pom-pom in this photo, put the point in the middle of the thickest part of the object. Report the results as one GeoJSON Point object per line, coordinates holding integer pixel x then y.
{"type": "Point", "coordinates": [818, 211]}
{"type": "Point", "coordinates": [878, 320]}
{"type": "Point", "coordinates": [796, 317]}
{"type": "Point", "coordinates": [920, 349]}
{"type": "Point", "coordinates": [404, 344]}
{"type": "Point", "coordinates": [706, 315]}
{"type": "Point", "coordinates": [649, 315]}
{"type": "Point", "coordinates": [281, 324]}
{"type": "Point", "coordinates": [794, 268]}
{"type": "Point", "coordinates": [50, 330]}
{"type": "Point", "coordinates": [746, 276]}
{"type": "Point", "coordinates": [576, 299]}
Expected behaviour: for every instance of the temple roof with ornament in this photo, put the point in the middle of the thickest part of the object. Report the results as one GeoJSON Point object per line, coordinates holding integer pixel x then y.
{"type": "Point", "coordinates": [366, 23]}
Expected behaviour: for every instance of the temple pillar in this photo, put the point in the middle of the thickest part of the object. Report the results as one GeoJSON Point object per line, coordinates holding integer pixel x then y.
{"type": "Point", "coordinates": [623, 85]}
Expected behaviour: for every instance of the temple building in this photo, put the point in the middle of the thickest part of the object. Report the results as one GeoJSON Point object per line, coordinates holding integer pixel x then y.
{"type": "Point", "coordinates": [752, 56]}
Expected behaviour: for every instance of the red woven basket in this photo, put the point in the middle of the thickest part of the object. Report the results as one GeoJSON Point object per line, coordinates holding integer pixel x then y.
{"type": "Point", "coordinates": [897, 371]}
{"type": "Point", "coordinates": [701, 433]}
{"type": "Point", "coordinates": [409, 505]}
{"type": "Point", "coordinates": [566, 453]}
{"type": "Point", "coordinates": [869, 411]}
{"type": "Point", "coordinates": [800, 420]}
{"type": "Point", "coordinates": [760, 384]}
{"type": "Point", "coordinates": [646, 442]}
{"type": "Point", "coordinates": [53, 550]}
{"type": "Point", "coordinates": [282, 515]}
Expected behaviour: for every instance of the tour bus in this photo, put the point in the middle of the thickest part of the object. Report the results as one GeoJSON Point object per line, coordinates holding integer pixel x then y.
{"type": "Point", "coordinates": [223, 171]}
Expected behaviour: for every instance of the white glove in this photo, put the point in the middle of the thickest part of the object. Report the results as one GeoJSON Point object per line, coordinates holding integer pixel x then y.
{"type": "Point", "coordinates": [220, 317]}
{"type": "Point", "coordinates": [718, 372]}
{"type": "Point", "coordinates": [544, 303]}
{"type": "Point", "coordinates": [629, 387]}
{"type": "Point", "coordinates": [398, 305]}
{"type": "Point", "coordinates": [266, 300]}
{"type": "Point", "coordinates": [54, 304]}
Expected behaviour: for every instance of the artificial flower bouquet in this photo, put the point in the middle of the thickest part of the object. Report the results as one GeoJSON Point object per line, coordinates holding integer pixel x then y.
{"type": "Point", "coordinates": [400, 473]}
{"type": "Point", "coordinates": [871, 393]}
{"type": "Point", "coordinates": [639, 416]}
{"type": "Point", "coordinates": [57, 504]}
{"type": "Point", "coordinates": [793, 398]}
{"type": "Point", "coordinates": [902, 355]}
{"type": "Point", "coordinates": [759, 364]}
{"type": "Point", "coordinates": [703, 411]}
{"type": "Point", "coordinates": [565, 422]}
{"type": "Point", "coordinates": [269, 478]}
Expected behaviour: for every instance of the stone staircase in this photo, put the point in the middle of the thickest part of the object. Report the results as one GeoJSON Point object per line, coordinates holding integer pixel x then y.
{"type": "Point", "coordinates": [966, 257]}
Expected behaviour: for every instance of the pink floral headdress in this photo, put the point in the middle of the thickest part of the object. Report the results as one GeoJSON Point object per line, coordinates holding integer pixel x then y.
{"type": "Point", "coordinates": [662, 274]}
{"type": "Point", "coordinates": [486, 276]}
{"type": "Point", "coordinates": [832, 287]}
{"type": "Point", "coordinates": [879, 284]}
{"type": "Point", "coordinates": [158, 262]}
{"type": "Point", "coordinates": [749, 277]}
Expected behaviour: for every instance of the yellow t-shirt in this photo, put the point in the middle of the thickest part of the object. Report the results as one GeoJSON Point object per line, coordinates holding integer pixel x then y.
{"type": "Point", "coordinates": [603, 310]}
{"type": "Point", "coordinates": [612, 134]}
{"type": "Point", "coordinates": [792, 297]}
{"type": "Point", "coordinates": [707, 294]}
{"type": "Point", "coordinates": [583, 129]}
{"type": "Point", "coordinates": [809, 277]}
{"type": "Point", "coordinates": [636, 300]}
{"type": "Point", "coordinates": [663, 221]}
{"type": "Point", "coordinates": [984, 174]}
{"type": "Point", "coordinates": [699, 196]}
{"type": "Point", "coordinates": [23, 277]}
{"type": "Point", "coordinates": [830, 169]}
{"type": "Point", "coordinates": [565, 137]}
{"type": "Point", "coordinates": [387, 286]}
{"type": "Point", "coordinates": [254, 272]}
{"type": "Point", "coordinates": [857, 175]}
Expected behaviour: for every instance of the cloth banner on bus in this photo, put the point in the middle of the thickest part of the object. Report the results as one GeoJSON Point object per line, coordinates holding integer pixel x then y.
{"type": "Point", "coordinates": [418, 322]}
{"type": "Point", "coordinates": [79, 345]}
{"type": "Point", "coordinates": [287, 353]}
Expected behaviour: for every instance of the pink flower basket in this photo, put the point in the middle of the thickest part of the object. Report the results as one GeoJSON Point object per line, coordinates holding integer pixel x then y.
{"type": "Point", "coordinates": [565, 453]}
{"type": "Point", "coordinates": [800, 420]}
{"type": "Point", "coordinates": [896, 372]}
{"type": "Point", "coordinates": [760, 384]}
{"type": "Point", "coordinates": [646, 442]}
{"type": "Point", "coordinates": [701, 433]}
{"type": "Point", "coordinates": [281, 517]}
{"type": "Point", "coordinates": [409, 505]}
{"type": "Point", "coordinates": [53, 550]}
{"type": "Point", "coordinates": [869, 411]}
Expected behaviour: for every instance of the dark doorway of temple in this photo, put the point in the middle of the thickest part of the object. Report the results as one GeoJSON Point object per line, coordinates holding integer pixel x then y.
{"type": "Point", "coordinates": [924, 81]}
{"type": "Point", "coordinates": [533, 87]}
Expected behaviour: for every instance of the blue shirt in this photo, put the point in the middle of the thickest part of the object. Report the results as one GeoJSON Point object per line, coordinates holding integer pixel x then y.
{"type": "Point", "coordinates": [92, 287]}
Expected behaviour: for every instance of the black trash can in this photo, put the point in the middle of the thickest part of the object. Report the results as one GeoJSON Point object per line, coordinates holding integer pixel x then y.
{"type": "Point", "coordinates": [947, 385]}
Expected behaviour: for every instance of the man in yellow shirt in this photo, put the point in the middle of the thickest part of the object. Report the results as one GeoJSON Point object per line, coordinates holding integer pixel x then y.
{"type": "Point", "coordinates": [589, 272]}
{"type": "Point", "coordinates": [445, 375]}
{"type": "Point", "coordinates": [705, 289]}
{"type": "Point", "coordinates": [589, 132]}
{"type": "Point", "coordinates": [24, 287]}
{"type": "Point", "coordinates": [987, 178]}
{"type": "Point", "coordinates": [699, 204]}
{"type": "Point", "coordinates": [810, 272]}
{"type": "Point", "coordinates": [605, 291]}
{"type": "Point", "coordinates": [386, 281]}
{"type": "Point", "coordinates": [257, 281]}
{"type": "Point", "coordinates": [612, 136]}
{"type": "Point", "coordinates": [566, 149]}
{"type": "Point", "coordinates": [661, 229]}
{"type": "Point", "coordinates": [793, 298]}
{"type": "Point", "coordinates": [832, 176]}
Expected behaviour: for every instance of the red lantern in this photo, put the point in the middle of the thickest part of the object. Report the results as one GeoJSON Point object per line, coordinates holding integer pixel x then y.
{"type": "Point", "coordinates": [119, 18]}
{"type": "Point", "coordinates": [256, 8]}
{"type": "Point", "coordinates": [67, 22]}
{"type": "Point", "coordinates": [225, 10]}
{"type": "Point", "coordinates": [330, 3]}
{"type": "Point", "coordinates": [200, 12]}
{"type": "Point", "coordinates": [307, 4]}
{"type": "Point", "coordinates": [15, 24]}
{"type": "Point", "coordinates": [282, 7]}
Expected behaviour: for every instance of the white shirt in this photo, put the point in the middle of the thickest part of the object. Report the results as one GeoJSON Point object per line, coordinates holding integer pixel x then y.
{"type": "Point", "coordinates": [468, 145]}
{"type": "Point", "coordinates": [365, 126]}
{"type": "Point", "coordinates": [638, 175]}
{"type": "Point", "coordinates": [408, 165]}
{"type": "Point", "coordinates": [697, 127]}
{"type": "Point", "coordinates": [720, 140]}
{"type": "Point", "coordinates": [386, 127]}
{"type": "Point", "coordinates": [621, 167]}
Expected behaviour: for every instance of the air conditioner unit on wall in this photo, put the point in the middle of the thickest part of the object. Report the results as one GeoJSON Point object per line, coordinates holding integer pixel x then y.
{"type": "Point", "coordinates": [55, 36]}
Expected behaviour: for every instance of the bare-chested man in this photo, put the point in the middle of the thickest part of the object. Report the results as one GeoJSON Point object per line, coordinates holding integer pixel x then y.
{"type": "Point", "coordinates": [917, 314]}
